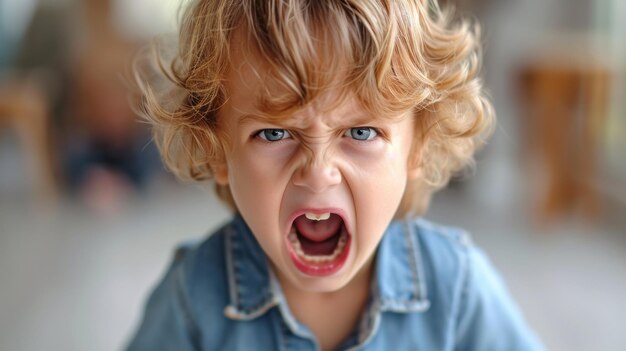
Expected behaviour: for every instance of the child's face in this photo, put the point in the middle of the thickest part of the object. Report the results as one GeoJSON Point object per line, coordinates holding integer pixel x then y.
{"type": "Point", "coordinates": [313, 164]}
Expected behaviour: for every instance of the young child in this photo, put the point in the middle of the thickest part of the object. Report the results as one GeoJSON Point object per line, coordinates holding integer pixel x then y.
{"type": "Point", "coordinates": [326, 126]}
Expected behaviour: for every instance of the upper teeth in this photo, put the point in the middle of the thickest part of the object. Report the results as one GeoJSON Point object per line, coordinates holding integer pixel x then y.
{"type": "Point", "coordinates": [317, 217]}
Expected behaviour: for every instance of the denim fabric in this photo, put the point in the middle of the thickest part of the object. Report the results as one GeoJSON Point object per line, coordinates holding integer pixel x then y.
{"type": "Point", "coordinates": [432, 290]}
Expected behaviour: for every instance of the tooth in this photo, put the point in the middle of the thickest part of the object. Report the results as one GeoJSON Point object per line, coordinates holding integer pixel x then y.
{"type": "Point", "coordinates": [341, 244]}
{"type": "Point", "coordinates": [293, 237]}
{"type": "Point", "coordinates": [320, 217]}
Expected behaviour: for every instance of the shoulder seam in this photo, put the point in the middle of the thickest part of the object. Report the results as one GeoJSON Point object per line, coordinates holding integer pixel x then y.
{"type": "Point", "coordinates": [456, 235]}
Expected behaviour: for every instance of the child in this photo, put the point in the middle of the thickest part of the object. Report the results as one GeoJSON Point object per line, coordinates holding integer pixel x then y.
{"type": "Point", "coordinates": [326, 126]}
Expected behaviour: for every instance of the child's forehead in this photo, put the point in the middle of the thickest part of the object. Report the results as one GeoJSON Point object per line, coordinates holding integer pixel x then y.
{"type": "Point", "coordinates": [251, 85]}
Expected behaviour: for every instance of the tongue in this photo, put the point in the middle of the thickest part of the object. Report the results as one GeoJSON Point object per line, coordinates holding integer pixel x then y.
{"type": "Point", "coordinates": [318, 248]}
{"type": "Point", "coordinates": [318, 230]}
{"type": "Point", "coordinates": [318, 238]}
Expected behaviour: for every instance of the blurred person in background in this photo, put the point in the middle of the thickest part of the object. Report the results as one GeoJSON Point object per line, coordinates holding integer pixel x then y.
{"type": "Point", "coordinates": [110, 152]}
{"type": "Point", "coordinates": [72, 58]}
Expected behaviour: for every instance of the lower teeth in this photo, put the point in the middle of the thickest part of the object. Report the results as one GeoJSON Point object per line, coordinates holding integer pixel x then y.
{"type": "Point", "coordinates": [293, 237]}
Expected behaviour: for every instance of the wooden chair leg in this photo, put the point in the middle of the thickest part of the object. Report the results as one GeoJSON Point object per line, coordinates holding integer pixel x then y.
{"type": "Point", "coordinates": [23, 107]}
{"type": "Point", "coordinates": [595, 98]}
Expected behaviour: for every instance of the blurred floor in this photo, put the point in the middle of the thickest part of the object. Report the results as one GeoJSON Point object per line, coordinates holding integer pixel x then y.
{"type": "Point", "coordinates": [71, 280]}
{"type": "Point", "coordinates": [569, 277]}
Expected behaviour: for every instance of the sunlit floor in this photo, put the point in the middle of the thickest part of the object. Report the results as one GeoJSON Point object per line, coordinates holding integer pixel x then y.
{"type": "Point", "coordinates": [71, 280]}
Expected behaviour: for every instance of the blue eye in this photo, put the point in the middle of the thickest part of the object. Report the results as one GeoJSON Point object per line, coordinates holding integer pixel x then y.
{"type": "Point", "coordinates": [361, 133]}
{"type": "Point", "coordinates": [273, 134]}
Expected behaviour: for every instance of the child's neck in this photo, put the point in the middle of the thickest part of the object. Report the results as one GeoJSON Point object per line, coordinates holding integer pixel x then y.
{"type": "Point", "coordinates": [331, 316]}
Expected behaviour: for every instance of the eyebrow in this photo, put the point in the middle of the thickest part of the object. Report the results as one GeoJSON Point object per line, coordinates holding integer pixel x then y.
{"type": "Point", "coordinates": [362, 119]}
{"type": "Point", "coordinates": [251, 118]}
{"type": "Point", "coordinates": [247, 118]}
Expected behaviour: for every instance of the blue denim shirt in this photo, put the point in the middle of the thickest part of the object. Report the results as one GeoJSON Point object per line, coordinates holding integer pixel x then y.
{"type": "Point", "coordinates": [432, 290]}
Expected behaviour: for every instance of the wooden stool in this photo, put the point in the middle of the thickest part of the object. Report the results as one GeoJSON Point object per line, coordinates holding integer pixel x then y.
{"type": "Point", "coordinates": [564, 110]}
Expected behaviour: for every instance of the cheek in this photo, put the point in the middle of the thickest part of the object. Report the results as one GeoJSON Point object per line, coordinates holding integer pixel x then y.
{"type": "Point", "coordinates": [384, 183]}
{"type": "Point", "coordinates": [378, 185]}
{"type": "Point", "coordinates": [262, 165]}
{"type": "Point", "coordinates": [380, 164]}
{"type": "Point", "coordinates": [257, 194]}
{"type": "Point", "coordinates": [257, 179]}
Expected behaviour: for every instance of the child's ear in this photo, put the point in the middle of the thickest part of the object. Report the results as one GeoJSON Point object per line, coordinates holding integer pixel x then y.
{"type": "Point", "coordinates": [220, 170]}
{"type": "Point", "coordinates": [219, 166]}
{"type": "Point", "coordinates": [220, 173]}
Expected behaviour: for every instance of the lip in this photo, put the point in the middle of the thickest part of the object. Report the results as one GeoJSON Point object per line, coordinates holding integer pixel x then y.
{"type": "Point", "coordinates": [323, 269]}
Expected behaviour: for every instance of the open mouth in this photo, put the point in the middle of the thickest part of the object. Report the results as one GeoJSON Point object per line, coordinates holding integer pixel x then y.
{"type": "Point", "coordinates": [319, 243]}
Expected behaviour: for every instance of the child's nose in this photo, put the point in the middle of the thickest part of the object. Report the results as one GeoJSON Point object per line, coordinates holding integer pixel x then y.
{"type": "Point", "coordinates": [317, 175]}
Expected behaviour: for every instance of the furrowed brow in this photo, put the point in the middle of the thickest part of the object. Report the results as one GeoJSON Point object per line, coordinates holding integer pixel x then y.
{"type": "Point", "coordinates": [345, 121]}
{"type": "Point", "coordinates": [252, 118]}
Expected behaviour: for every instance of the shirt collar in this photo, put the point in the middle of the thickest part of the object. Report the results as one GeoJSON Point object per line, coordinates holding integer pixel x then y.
{"type": "Point", "coordinates": [399, 285]}
{"type": "Point", "coordinates": [400, 280]}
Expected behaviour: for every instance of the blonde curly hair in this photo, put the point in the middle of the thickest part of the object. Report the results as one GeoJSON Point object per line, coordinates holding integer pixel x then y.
{"type": "Point", "coordinates": [396, 56]}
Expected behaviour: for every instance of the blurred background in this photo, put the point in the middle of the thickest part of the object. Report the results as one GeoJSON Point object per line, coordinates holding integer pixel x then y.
{"type": "Point", "coordinates": [89, 218]}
